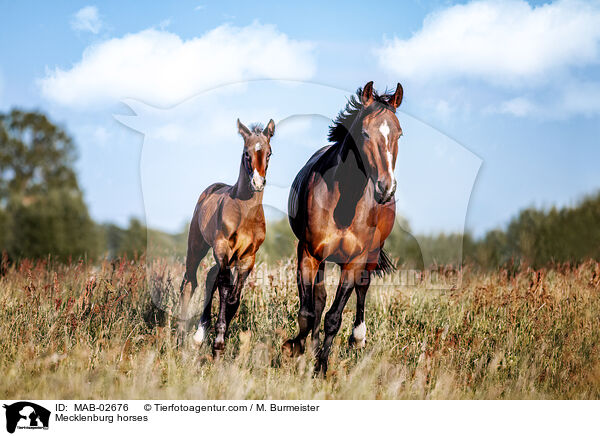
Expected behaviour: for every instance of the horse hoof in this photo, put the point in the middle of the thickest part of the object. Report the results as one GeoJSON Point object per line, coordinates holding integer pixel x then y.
{"type": "Point", "coordinates": [291, 348]}
{"type": "Point", "coordinates": [320, 369]}
{"type": "Point", "coordinates": [354, 343]}
{"type": "Point", "coordinates": [218, 349]}
{"type": "Point", "coordinates": [358, 336]}
{"type": "Point", "coordinates": [180, 337]}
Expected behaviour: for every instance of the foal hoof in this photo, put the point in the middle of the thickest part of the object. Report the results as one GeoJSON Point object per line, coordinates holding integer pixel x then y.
{"type": "Point", "coordinates": [180, 337]}
{"type": "Point", "coordinates": [218, 349]}
{"type": "Point", "coordinates": [291, 348]}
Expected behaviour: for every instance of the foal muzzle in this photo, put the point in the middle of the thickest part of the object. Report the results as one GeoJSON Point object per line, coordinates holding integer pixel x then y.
{"type": "Point", "coordinates": [257, 182]}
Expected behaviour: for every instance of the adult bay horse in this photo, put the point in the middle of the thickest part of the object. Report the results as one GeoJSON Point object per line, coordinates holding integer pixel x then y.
{"type": "Point", "coordinates": [342, 208]}
{"type": "Point", "coordinates": [231, 220]}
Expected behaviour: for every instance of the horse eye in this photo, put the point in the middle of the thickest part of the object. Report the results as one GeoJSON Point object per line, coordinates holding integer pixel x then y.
{"type": "Point", "coordinates": [365, 134]}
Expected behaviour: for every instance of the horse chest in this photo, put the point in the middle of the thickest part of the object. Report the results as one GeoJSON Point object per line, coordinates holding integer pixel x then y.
{"type": "Point", "coordinates": [366, 231]}
{"type": "Point", "coordinates": [246, 240]}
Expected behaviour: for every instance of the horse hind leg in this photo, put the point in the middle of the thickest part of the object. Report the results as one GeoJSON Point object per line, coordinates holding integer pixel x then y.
{"type": "Point", "coordinates": [197, 249]}
{"type": "Point", "coordinates": [333, 318]}
{"type": "Point", "coordinates": [209, 291]}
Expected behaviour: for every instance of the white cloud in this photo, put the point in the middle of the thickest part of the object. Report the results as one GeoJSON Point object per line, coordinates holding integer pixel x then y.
{"type": "Point", "coordinates": [164, 24]}
{"type": "Point", "coordinates": [87, 19]}
{"type": "Point", "coordinates": [571, 99]}
{"type": "Point", "coordinates": [498, 42]}
{"type": "Point", "coordinates": [519, 107]}
{"type": "Point", "coordinates": [158, 67]}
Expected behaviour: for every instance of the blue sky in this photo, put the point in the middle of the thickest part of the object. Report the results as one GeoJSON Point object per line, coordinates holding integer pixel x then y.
{"type": "Point", "coordinates": [501, 97]}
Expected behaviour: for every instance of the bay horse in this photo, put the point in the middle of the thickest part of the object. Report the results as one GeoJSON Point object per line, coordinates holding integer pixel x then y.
{"type": "Point", "coordinates": [342, 208]}
{"type": "Point", "coordinates": [231, 220]}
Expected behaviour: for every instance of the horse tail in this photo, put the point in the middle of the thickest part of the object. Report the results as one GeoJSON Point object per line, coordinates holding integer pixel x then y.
{"type": "Point", "coordinates": [385, 264]}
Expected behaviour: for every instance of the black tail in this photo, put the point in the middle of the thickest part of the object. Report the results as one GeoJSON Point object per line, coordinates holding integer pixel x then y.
{"type": "Point", "coordinates": [385, 264]}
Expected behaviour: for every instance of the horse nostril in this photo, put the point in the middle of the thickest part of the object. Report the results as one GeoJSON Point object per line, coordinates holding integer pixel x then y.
{"type": "Point", "coordinates": [381, 187]}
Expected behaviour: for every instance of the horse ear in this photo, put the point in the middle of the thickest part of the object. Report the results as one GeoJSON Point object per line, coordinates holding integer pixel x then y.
{"type": "Point", "coordinates": [397, 97]}
{"type": "Point", "coordinates": [366, 96]}
{"type": "Point", "coordinates": [243, 130]}
{"type": "Point", "coordinates": [270, 129]}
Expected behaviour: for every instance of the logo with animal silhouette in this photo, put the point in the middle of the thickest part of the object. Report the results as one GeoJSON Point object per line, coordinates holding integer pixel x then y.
{"type": "Point", "coordinates": [26, 415]}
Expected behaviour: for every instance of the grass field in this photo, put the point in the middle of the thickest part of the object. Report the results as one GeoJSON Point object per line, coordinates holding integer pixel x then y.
{"type": "Point", "coordinates": [89, 332]}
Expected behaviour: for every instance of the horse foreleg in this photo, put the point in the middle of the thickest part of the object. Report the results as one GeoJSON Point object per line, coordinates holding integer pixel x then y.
{"type": "Point", "coordinates": [224, 283]}
{"type": "Point", "coordinates": [320, 295]}
{"type": "Point", "coordinates": [243, 269]}
{"type": "Point", "coordinates": [359, 332]}
{"type": "Point", "coordinates": [307, 270]}
{"type": "Point", "coordinates": [333, 318]}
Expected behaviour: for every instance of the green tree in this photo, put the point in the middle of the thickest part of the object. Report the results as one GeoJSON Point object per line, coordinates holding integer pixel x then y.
{"type": "Point", "coordinates": [42, 211]}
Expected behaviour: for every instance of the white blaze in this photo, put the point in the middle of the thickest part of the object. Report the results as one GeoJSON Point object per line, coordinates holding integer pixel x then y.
{"type": "Point", "coordinates": [257, 147]}
{"type": "Point", "coordinates": [390, 159]}
{"type": "Point", "coordinates": [385, 130]}
{"type": "Point", "coordinates": [257, 180]}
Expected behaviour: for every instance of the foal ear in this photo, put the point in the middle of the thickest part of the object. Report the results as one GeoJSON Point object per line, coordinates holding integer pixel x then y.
{"type": "Point", "coordinates": [270, 129]}
{"type": "Point", "coordinates": [397, 97]}
{"type": "Point", "coordinates": [366, 96]}
{"type": "Point", "coordinates": [243, 130]}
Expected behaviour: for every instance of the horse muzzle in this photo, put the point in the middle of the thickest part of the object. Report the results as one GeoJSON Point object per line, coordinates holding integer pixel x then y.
{"type": "Point", "coordinates": [384, 192]}
{"type": "Point", "coordinates": [257, 182]}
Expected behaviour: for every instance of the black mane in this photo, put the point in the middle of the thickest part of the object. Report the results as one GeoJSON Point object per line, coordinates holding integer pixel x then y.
{"type": "Point", "coordinates": [354, 108]}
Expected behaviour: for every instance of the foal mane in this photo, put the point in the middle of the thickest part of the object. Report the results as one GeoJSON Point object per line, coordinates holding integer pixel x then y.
{"type": "Point", "coordinates": [340, 128]}
{"type": "Point", "coordinates": [256, 128]}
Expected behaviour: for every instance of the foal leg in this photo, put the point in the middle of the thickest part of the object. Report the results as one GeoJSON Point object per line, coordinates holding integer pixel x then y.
{"type": "Point", "coordinates": [243, 269]}
{"type": "Point", "coordinates": [359, 332]}
{"type": "Point", "coordinates": [333, 318]}
{"type": "Point", "coordinates": [209, 291]}
{"type": "Point", "coordinates": [320, 300]}
{"type": "Point", "coordinates": [307, 270]}
{"type": "Point", "coordinates": [197, 249]}
{"type": "Point", "coordinates": [224, 283]}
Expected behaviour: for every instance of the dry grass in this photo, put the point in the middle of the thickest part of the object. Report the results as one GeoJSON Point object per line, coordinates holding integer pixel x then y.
{"type": "Point", "coordinates": [84, 331]}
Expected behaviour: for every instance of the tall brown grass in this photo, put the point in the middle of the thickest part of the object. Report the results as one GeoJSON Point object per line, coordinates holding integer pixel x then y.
{"type": "Point", "coordinates": [93, 331]}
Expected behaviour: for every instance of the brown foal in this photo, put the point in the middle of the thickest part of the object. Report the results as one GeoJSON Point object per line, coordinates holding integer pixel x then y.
{"type": "Point", "coordinates": [231, 220]}
{"type": "Point", "coordinates": [341, 209]}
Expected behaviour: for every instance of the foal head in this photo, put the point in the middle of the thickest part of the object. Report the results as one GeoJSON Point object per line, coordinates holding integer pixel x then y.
{"type": "Point", "coordinates": [257, 151]}
{"type": "Point", "coordinates": [376, 135]}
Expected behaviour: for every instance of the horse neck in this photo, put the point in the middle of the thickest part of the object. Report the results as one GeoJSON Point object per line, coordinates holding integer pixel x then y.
{"type": "Point", "coordinates": [349, 159]}
{"type": "Point", "coordinates": [242, 189]}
